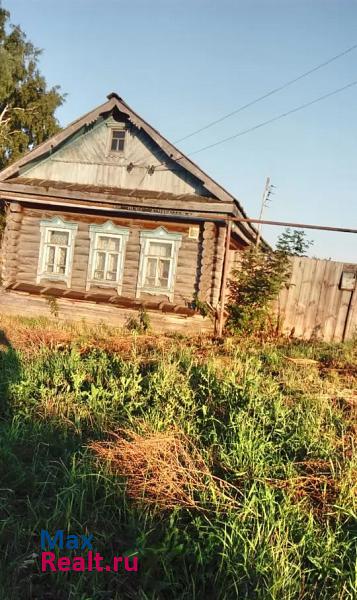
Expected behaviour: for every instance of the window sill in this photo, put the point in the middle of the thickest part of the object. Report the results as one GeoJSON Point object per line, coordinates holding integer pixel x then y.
{"type": "Point", "coordinates": [48, 277]}
{"type": "Point", "coordinates": [157, 292]}
{"type": "Point", "coordinates": [113, 285]}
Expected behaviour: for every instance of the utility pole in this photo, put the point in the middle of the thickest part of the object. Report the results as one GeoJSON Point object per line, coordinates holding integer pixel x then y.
{"type": "Point", "coordinates": [265, 199]}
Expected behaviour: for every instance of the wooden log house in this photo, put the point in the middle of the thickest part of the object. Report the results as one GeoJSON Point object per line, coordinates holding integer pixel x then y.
{"type": "Point", "coordinates": [108, 216]}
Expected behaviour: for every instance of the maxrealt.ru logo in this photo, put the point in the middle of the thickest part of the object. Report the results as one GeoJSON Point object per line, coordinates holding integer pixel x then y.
{"type": "Point", "coordinates": [90, 561]}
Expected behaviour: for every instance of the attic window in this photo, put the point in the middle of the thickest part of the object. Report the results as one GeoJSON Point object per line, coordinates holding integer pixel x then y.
{"type": "Point", "coordinates": [118, 140]}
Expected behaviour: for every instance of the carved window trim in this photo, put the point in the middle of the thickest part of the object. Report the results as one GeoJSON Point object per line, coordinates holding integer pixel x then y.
{"type": "Point", "coordinates": [107, 229]}
{"type": "Point", "coordinates": [62, 226]}
{"type": "Point", "coordinates": [159, 235]}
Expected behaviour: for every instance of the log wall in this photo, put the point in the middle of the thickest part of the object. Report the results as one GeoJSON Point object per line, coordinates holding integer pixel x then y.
{"type": "Point", "coordinates": [10, 243]}
{"type": "Point", "coordinates": [199, 265]}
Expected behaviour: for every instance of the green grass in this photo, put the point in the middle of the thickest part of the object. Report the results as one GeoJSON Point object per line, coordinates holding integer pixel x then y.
{"type": "Point", "coordinates": [259, 421]}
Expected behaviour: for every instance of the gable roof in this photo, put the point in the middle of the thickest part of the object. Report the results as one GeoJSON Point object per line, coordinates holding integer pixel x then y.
{"type": "Point", "coordinates": [114, 101]}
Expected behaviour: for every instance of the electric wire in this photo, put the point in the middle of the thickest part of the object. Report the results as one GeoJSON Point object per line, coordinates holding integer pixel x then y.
{"type": "Point", "coordinates": [268, 94]}
{"type": "Point", "coordinates": [260, 98]}
{"type": "Point", "coordinates": [264, 123]}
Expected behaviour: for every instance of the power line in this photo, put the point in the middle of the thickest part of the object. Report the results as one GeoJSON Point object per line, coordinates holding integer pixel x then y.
{"type": "Point", "coordinates": [264, 123]}
{"type": "Point", "coordinates": [270, 93]}
{"type": "Point", "coordinates": [256, 100]}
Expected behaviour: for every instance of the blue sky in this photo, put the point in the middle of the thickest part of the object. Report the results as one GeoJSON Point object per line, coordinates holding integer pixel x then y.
{"type": "Point", "coordinates": [184, 63]}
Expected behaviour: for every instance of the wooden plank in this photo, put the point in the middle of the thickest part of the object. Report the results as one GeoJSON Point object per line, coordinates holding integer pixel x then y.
{"type": "Point", "coordinates": [33, 194]}
{"type": "Point", "coordinates": [351, 328]}
{"type": "Point", "coordinates": [328, 312]}
{"type": "Point", "coordinates": [344, 298]}
{"type": "Point", "coordinates": [304, 296]}
{"type": "Point", "coordinates": [312, 328]}
{"type": "Point", "coordinates": [336, 301]}
{"type": "Point", "coordinates": [319, 324]}
{"type": "Point", "coordinates": [293, 295]}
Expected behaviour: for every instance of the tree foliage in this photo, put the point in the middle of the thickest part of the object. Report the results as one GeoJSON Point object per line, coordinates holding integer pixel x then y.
{"type": "Point", "coordinates": [293, 242]}
{"type": "Point", "coordinates": [259, 279]}
{"type": "Point", "coordinates": [255, 284]}
{"type": "Point", "coordinates": [27, 106]}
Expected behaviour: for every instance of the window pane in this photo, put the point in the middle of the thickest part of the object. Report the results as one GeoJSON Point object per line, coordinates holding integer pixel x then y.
{"type": "Point", "coordinates": [118, 135]}
{"type": "Point", "coordinates": [50, 259]}
{"type": "Point", "coordinates": [164, 270]}
{"type": "Point", "coordinates": [151, 267]}
{"type": "Point", "coordinates": [100, 261]}
{"type": "Point", "coordinates": [113, 262]}
{"type": "Point", "coordinates": [107, 243]}
{"type": "Point", "coordinates": [111, 276]}
{"type": "Point", "coordinates": [59, 238]}
{"type": "Point", "coordinates": [118, 141]}
{"type": "Point", "coordinates": [157, 272]}
{"type": "Point", "coordinates": [157, 249]}
{"type": "Point", "coordinates": [150, 281]}
{"type": "Point", "coordinates": [113, 244]}
{"type": "Point", "coordinates": [106, 258]}
{"type": "Point", "coordinates": [102, 243]}
{"type": "Point", "coordinates": [62, 255]}
{"type": "Point", "coordinates": [61, 260]}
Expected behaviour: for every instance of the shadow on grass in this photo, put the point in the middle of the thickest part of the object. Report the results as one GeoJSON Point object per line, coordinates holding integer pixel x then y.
{"type": "Point", "coordinates": [49, 480]}
{"type": "Point", "coordinates": [10, 370]}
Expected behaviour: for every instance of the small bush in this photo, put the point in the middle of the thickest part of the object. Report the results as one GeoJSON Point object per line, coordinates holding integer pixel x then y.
{"type": "Point", "coordinates": [139, 324]}
{"type": "Point", "coordinates": [254, 286]}
{"type": "Point", "coordinates": [258, 281]}
{"type": "Point", "coordinates": [52, 305]}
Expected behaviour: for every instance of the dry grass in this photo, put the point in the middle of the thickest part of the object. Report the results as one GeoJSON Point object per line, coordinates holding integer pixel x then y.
{"type": "Point", "coordinates": [26, 337]}
{"type": "Point", "coordinates": [165, 470]}
{"type": "Point", "coordinates": [30, 340]}
{"type": "Point", "coordinates": [318, 484]}
{"type": "Point", "coordinates": [29, 335]}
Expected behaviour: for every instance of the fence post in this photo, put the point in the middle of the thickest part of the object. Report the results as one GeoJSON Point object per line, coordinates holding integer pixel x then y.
{"type": "Point", "coordinates": [224, 279]}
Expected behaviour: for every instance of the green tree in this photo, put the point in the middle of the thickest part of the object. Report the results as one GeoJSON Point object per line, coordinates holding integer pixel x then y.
{"type": "Point", "coordinates": [293, 242]}
{"type": "Point", "coordinates": [259, 279]}
{"type": "Point", "coordinates": [27, 106]}
{"type": "Point", "coordinates": [255, 284]}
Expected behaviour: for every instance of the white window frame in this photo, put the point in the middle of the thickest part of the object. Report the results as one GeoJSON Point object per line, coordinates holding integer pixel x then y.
{"type": "Point", "coordinates": [107, 229]}
{"type": "Point", "coordinates": [115, 130]}
{"type": "Point", "coordinates": [62, 226]}
{"type": "Point", "coordinates": [113, 125]}
{"type": "Point", "coordinates": [159, 235]}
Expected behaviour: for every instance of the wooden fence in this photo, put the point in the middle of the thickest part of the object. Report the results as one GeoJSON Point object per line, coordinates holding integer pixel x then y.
{"type": "Point", "coordinates": [320, 301]}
